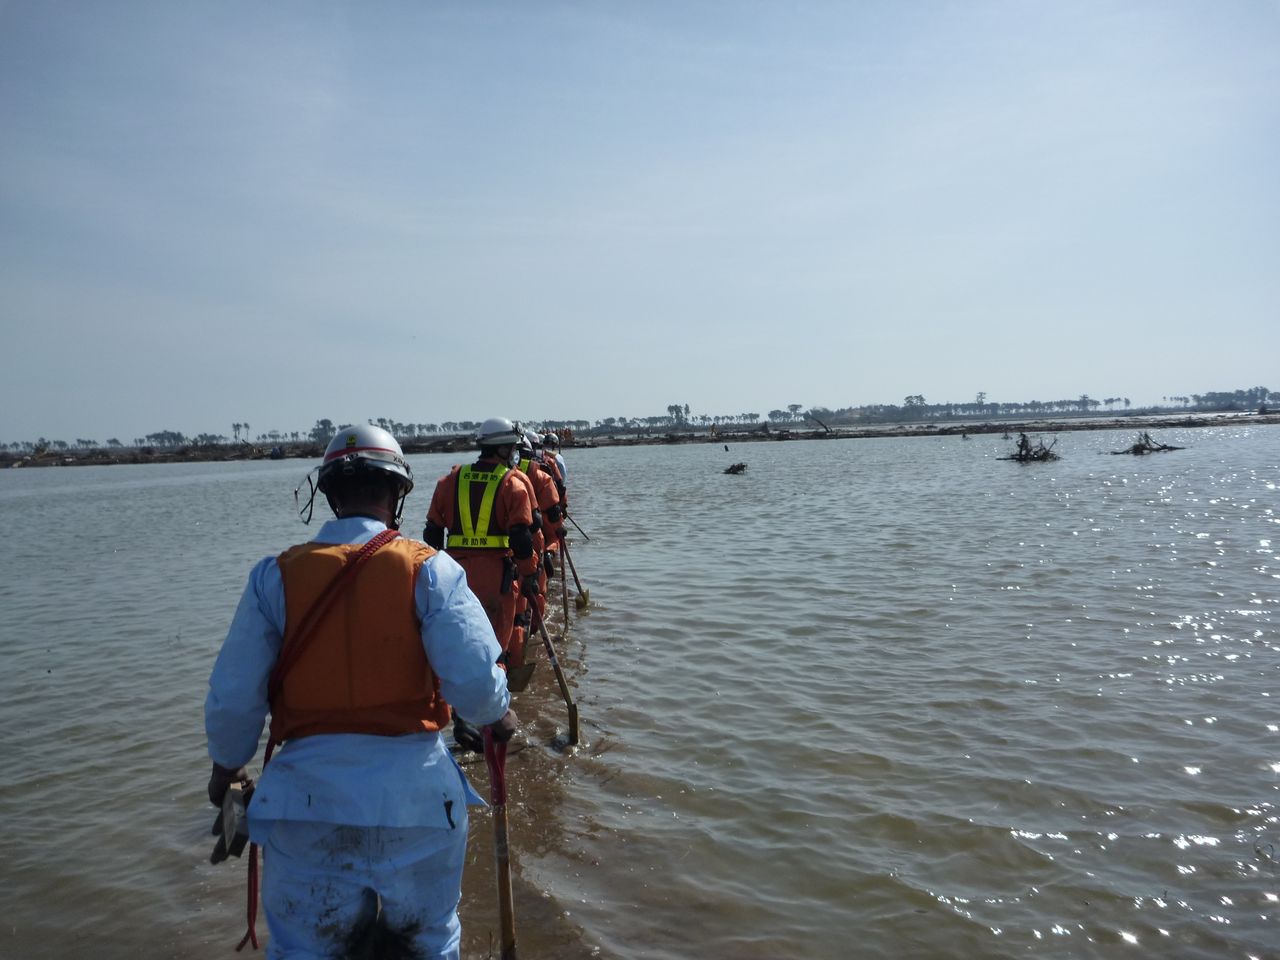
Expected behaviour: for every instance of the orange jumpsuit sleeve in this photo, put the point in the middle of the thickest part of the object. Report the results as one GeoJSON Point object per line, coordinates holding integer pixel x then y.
{"type": "Point", "coordinates": [547, 498]}
{"type": "Point", "coordinates": [443, 499]}
{"type": "Point", "coordinates": [515, 508]}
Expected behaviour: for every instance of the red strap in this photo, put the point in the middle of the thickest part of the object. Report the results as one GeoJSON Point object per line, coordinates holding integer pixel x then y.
{"type": "Point", "coordinates": [334, 589]}
{"type": "Point", "coordinates": [495, 755]}
{"type": "Point", "coordinates": [251, 910]}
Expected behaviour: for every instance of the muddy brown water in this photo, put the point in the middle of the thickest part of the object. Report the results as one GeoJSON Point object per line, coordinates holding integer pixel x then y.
{"type": "Point", "coordinates": [872, 698]}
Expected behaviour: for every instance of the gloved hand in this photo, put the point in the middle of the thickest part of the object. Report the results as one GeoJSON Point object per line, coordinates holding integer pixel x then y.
{"type": "Point", "coordinates": [466, 736]}
{"type": "Point", "coordinates": [221, 780]}
{"type": "Point", "coordinates": [504, 729]}
{"type": "Point", "coordinates": [529, 585]}
{"type": "Point", "coordinates": [548, 565]}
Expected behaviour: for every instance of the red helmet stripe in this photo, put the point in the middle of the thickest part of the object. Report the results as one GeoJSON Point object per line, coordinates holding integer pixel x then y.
{"type": "Point", "coordinates": [338, 454]}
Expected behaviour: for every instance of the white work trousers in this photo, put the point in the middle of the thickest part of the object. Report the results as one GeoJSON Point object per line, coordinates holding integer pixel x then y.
{"type": "Point", "coordinates": [326, 887]}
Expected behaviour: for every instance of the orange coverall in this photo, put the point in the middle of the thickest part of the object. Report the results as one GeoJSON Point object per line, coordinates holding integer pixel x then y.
{"type": "Point", "coordinates": [485, 567]}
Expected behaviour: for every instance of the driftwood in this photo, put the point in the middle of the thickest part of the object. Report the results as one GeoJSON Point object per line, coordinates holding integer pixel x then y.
{"type": "Point", "coordinates": [736, 468]}
{"type": "Point", "coordinates": [810, 416]}
{"type": "Point", "coordinates": [1026, 453]}
{"type": "Point", "coordinates": [1145, 445]}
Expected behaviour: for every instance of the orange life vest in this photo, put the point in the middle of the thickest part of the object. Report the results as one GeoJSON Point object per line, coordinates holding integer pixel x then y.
{"type": "Point", "coordinates": [363, 670]}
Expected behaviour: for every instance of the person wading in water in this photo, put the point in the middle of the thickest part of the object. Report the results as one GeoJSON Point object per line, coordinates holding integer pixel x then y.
{"type": "Point", "coordinates": [484, 515]}
{"type": "Point", "coordinates": [356, 643]}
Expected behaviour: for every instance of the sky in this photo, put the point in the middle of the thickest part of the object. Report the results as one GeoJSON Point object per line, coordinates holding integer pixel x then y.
{"type": "Point", "coordinates": [279, 212]}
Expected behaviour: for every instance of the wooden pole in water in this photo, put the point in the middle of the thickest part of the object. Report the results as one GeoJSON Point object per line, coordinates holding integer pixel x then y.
{"type": "Point", "coordinates": [584, 596]}
{"type": "Point", "coordinates": [495, 755]}
{"type": "Point", "coordinates": [560, 680]}
{"type": "Point", "coordinates": [564, 586]}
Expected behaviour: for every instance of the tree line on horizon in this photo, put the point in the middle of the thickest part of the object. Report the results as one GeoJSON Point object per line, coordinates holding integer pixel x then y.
{"type": "Point", "coordinates": [679, 417]}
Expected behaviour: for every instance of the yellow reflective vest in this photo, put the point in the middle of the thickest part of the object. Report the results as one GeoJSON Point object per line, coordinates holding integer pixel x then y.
{"type": "Point", "coordinates": [476, 532]}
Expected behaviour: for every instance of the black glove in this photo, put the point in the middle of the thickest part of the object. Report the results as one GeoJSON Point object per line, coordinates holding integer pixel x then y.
{"type": "Point", "coordinates": [548, 564]}
{"type": "Point", "coordinates": [529, 585]}
{"type": "Point", "coordinates": [504, 729]}
{"type": "Point", "coordinates": [221, 780]}
{"type": "Point", "coordinates": [467, 736]}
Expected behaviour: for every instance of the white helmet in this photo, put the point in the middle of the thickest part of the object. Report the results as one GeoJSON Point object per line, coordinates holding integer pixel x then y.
{"type": "Point", "coordinates": [532, 439]}
{"type": "Point", "coordinates": [497, 432]}
{"type": "Point", "coordinates": [364, 447]}
{"type": "Point", "coordinates": [551, 440]}
{"type": "Point", "coordinates": [354, 450]}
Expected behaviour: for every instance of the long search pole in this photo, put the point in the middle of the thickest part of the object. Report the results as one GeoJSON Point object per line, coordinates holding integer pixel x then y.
{"type": "Point", "coordinates": [564, 586]}
{"type": "Point", "coordinates": [584, 596]}
{"type": "Point", "coordinates": [495, 755]}
{"type": "Point", "coordinates": [580, 530]}
{"type": "Point", "coordinates": [560, 680]}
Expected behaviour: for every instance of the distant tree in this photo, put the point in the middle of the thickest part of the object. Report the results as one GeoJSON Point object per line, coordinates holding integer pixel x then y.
{"type": "Point", "coordinates": [819, 415]}
{"type": "Point", "coordinates": [794, 410]}
{"type": "Point", "coordinates": [981, 398]}
{"type": "Point", "coordinates": [166, 438]}
{"type": "Point", "coordinates": [323, 431]}
{"type": "Point", "coordinates": [113, 442]}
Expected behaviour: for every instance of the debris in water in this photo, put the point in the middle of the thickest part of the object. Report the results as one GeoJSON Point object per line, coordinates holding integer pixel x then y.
{"type": "Point", "coordinates": [1145, 445]}
{"type": "Point", "coordinates": [736, 468]}
{"type": "Point", "coordinates": [1026, 453]}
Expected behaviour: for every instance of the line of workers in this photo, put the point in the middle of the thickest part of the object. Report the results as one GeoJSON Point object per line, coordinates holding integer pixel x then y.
{"type": "Point", "coordinates": [502, 519]}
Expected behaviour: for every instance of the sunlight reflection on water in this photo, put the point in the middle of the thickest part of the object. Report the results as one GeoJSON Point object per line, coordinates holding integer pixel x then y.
{"type": "Point", "coordinates": [891, 695]}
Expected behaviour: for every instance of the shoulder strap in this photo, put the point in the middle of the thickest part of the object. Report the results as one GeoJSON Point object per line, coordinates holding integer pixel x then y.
{"type": "Point", "coordinates": [333, 589]}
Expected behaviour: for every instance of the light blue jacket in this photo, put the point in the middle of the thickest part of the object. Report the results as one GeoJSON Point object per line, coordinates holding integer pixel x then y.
{"type": "Point", "coordinates": [355, 779]}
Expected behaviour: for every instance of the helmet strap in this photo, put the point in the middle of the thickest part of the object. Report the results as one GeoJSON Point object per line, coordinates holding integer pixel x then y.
{"type": "Point", "coordinates": [305, 510]}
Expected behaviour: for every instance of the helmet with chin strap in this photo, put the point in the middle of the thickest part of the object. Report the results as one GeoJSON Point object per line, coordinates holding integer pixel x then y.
{"type": "Point", "coordinates": [361, 448]}
{"type": "Point", "coordinates": [497, 432]}
{"type": "Point", "coordinates": [357, 453]}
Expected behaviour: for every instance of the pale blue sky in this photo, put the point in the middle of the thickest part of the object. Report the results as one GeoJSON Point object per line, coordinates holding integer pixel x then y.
{"type": "Point", "coordinates": [277, 212]}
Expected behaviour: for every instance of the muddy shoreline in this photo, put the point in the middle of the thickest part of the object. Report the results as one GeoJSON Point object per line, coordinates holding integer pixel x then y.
{"type": "Point", "coordinates": [763, 433]}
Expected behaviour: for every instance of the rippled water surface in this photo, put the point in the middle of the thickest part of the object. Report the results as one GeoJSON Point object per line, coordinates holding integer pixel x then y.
{"type": "Point", "coordinates": [873, 698]}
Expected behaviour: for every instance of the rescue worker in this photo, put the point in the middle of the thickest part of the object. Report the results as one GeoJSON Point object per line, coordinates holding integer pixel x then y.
{"type": "Point", "coordinates": [362, 814]}
{"type": "Point", "coordinates": [483, 514]}
{"type": "Point", "coordinates": [550, 464]}
{"type": "Point", "coordinates": [548, 500]}
{"type": "Point", "coordinates": [551, 443]}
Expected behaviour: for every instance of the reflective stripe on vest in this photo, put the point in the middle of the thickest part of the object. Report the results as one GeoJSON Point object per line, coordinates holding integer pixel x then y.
{"type": "Point", "coordinates": [475, 530]}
